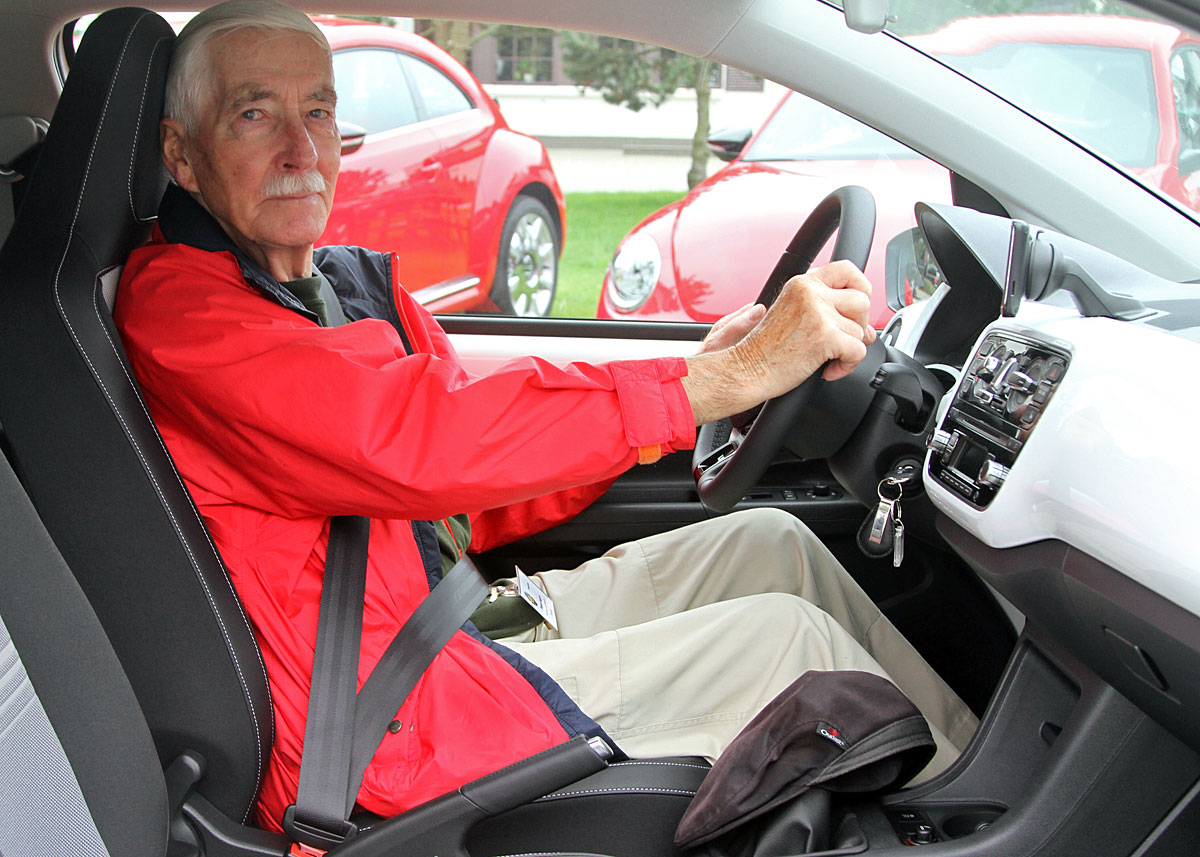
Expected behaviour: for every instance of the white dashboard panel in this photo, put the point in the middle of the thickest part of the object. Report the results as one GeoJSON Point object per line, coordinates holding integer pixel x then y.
{"type": "Point", "coordinates": [1111, 467]}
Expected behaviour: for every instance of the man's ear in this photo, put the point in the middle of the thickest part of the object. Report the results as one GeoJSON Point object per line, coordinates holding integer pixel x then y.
{"type": "Point", "coordinates": [175, 155]}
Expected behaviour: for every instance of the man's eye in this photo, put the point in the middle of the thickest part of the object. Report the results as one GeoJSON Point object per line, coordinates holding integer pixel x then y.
{"type": "Point", "coordinates": [320, 113]}
{"type": "Point", "coordinates": [252, 113]}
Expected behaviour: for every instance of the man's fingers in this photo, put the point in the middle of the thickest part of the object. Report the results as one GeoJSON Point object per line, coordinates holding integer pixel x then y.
{"type": "Point", "coordinates": [851, 351]}
{"type": "Point", "coordinates": [843, 275]}
{"type": "Point", "coordinates": [853, 304]}
{"type": "Point", "coordinates": [730, 329]}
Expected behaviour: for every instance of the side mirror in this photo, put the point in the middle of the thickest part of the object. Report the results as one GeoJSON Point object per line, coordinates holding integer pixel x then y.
{"type": "Point", "coordinates": [352, 136]}
{"type": "Point", "coordinates": [728, 143]}
{"type": "Point", "coordinates": [911, 272]}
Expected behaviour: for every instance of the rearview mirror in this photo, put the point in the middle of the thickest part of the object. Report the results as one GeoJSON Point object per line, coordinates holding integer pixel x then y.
{"type": "Point", "coordinates": [866, 16]}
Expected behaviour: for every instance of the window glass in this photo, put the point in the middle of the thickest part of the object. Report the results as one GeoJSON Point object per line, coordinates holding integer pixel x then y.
{"type": "Point", "coordinates": [1185, 79]}
{"type": "Point", "coordinates": [439, 95]}
{"type": "Point", "coordinates": [524, 55]}
{"type": "Point", "coordinates": [372, 91]}
{"type": "Point", "coordinates": [1101, 96]}
{"type": "Point", "coordinates": [807, 130]}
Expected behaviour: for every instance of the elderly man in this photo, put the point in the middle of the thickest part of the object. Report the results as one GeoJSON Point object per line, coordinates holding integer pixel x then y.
{"type": "Point", "coordinates": [293, 385]}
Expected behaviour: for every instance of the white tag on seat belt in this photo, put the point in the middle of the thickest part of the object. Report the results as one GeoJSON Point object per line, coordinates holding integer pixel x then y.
{"type": "Point", "coordinates": [536, 598]}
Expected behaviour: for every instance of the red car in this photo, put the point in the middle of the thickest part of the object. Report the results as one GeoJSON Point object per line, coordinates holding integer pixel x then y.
{"type": "Point", "coordinates": [431, 170]}
{"type": "Point", "coordinates": [710, 252]}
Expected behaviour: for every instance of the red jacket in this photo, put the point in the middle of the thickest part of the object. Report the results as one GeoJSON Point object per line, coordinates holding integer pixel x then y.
{"type": "Point", "coordinates": [277, 423]}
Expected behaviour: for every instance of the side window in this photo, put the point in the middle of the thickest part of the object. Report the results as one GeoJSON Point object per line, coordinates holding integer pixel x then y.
{"type": "Point", "coordinates": [438, 94]}
{"type": "Point", "coordinates": [372, 90]}
{"type": "Point", "coordinates": [1185, 80]}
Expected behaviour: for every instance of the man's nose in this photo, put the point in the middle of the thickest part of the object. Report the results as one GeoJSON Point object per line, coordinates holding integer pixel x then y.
{"type": "Point", "coordinates": [299, 152]}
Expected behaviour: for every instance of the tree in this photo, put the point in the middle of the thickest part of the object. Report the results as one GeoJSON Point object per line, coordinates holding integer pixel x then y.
{"type": "Point", "coordinates": [632, 74]}
{"type": "Point", "coordinates": [455, 37]}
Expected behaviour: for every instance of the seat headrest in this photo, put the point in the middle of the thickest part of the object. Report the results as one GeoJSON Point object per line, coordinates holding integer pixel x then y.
{"type": "Point", "coordinates": [108, 115]}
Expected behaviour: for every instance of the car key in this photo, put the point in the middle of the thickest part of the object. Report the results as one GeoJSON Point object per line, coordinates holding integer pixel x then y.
{"type": "Point", "coordinates": [897, 535]}
{"type": "Point", "coordinates": [887, 510]}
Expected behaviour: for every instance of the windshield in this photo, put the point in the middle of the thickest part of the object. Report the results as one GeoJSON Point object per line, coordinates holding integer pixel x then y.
{"type": "Point", "coordinates": [1102, 96]}
{"type": "Point", "coordinates": [806, 130]}
{"type": "Point", "coordinates": [1104, 73]}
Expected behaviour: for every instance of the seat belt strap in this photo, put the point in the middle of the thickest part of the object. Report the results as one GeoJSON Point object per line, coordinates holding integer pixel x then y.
{"type": "Point", "coordinates": [328, 732]}
{"type": "Point", "coordinates": [342, 733]}
{"type": "Point", "coordinates": [414, 647]}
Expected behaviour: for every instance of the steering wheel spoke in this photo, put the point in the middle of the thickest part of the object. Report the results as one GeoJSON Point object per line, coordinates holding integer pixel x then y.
{"type": "Point", "coordinates": [721, 439]}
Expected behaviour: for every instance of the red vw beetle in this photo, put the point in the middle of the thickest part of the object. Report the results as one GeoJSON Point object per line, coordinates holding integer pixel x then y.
{"type": "Point", "coordinates": [710, 252]}
{"type": "Point", "coordinates": [431, 170]}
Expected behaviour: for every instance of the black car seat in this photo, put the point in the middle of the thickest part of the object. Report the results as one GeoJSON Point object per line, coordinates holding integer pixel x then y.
{"type": "Point", "coordinates": [78, 770]}
{"type": "Point", "coordinates": [83, 445]}
{"type": "Point", "coordinates": [77, 430]}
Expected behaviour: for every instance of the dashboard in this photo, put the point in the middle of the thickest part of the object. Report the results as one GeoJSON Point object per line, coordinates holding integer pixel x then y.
{"type": "Point", "coordinates": [1063, 460]}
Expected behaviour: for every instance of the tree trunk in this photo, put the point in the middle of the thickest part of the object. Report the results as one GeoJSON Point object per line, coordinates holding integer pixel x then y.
{"type": "Point", "coordinates": [699, 169]}
{"type": "Point", "coordinates": [454, 37]}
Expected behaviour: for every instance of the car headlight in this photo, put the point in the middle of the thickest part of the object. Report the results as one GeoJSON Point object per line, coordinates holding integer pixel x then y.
{"type": "Point", "coordinates": [634, 271]}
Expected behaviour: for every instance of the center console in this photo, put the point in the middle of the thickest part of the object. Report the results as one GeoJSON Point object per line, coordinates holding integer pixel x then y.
{"type": "Point", "coordinates": [1006, 386]}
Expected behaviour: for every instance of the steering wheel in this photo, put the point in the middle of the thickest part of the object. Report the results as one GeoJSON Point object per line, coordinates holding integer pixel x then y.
{"type": "Point", "coordinates": [728, 461]}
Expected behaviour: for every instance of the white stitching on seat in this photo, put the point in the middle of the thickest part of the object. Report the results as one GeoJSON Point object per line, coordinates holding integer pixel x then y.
{"type": "Point", "coordinates": [662, 764]}
{"type": "Point", "coordinates": [642, 790]}
{"type": "Point", "coordinates": [555, 854]}
{"type": "Point", "coordinates": [259, 759]}
{"type": "Point", "coordinates": [133, 150]}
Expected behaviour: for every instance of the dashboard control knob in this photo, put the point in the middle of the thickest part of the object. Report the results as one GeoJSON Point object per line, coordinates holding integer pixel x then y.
{"type": "Point", "coordinates": [923, 835]}
{"type": "Point", "coordinates": [988, 370]}
{"type": "Point", "coordinates": [993, 473]}
{"type": "Point", "coordinates": [1019, 381]}
{"type": "Point", "coordinates": [941, 441]}
{"type": "Point", "coordinates": [820, 489]}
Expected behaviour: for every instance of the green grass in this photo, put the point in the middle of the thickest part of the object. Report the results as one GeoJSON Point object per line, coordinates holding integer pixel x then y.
{"type": "Point", "coordinates": [596, 223]}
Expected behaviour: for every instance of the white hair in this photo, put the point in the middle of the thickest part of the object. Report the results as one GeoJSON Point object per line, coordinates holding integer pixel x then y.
{"type": "Point", "coordinates": [190, 78]}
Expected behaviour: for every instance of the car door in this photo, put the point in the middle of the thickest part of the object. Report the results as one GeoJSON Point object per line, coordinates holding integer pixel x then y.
{"type": "Point", "coordinates": [386, 189]}
{"type": "Point", "coordinates": [462, 130]}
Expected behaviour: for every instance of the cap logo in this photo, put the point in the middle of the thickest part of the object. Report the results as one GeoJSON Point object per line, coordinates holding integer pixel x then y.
{"type": "Point", "coordinates": [831, 733]}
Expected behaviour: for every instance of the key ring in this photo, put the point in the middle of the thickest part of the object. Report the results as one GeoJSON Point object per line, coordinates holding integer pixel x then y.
{"type": "Point", "coordinates": [893, 481]}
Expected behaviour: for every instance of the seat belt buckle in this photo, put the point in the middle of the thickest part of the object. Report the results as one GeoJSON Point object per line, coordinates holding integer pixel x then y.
{"type": "Point", "coordinates": [314, 839]}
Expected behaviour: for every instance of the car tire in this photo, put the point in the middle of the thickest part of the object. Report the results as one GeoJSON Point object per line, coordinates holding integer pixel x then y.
{"type": "Point", "coordinates": [527, 262]}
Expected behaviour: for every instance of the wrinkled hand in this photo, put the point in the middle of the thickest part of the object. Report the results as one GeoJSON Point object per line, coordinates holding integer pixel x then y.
{"type": "Point", "coordinates": [731, 329]}
{"type": "Point", "coordinates": [819, 317]}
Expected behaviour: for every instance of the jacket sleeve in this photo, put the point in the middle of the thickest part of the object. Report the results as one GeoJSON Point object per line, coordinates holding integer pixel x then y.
{"type": "Point", "coordinates": [277, 413]}
{"type": "Point", "coordinates": [492, 528]}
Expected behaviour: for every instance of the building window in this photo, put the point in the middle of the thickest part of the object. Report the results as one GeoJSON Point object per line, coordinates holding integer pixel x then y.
{"type": "Point", "coordinates": [524, 55]}
{"type": "Point", "coordinates": [737, 80]}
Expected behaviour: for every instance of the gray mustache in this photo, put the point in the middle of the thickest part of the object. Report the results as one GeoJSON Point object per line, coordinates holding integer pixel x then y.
{"type": "Point", "coordinates": [293, 183]}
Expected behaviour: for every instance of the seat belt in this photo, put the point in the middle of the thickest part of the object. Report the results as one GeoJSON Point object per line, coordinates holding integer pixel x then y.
{"type": "Point", "coordinates": [344, 729]}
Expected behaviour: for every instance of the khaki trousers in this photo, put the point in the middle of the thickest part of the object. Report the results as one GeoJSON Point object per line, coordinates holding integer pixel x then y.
{"type": "Point", "coordinates": [674, 642]}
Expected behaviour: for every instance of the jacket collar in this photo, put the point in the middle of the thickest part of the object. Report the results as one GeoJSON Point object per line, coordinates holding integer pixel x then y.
{"type": "Point", "coordinates": [182, 220]}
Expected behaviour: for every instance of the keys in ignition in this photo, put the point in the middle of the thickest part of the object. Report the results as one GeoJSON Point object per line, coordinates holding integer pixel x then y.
{"type": "Point", "coordinates": [887, 509]}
